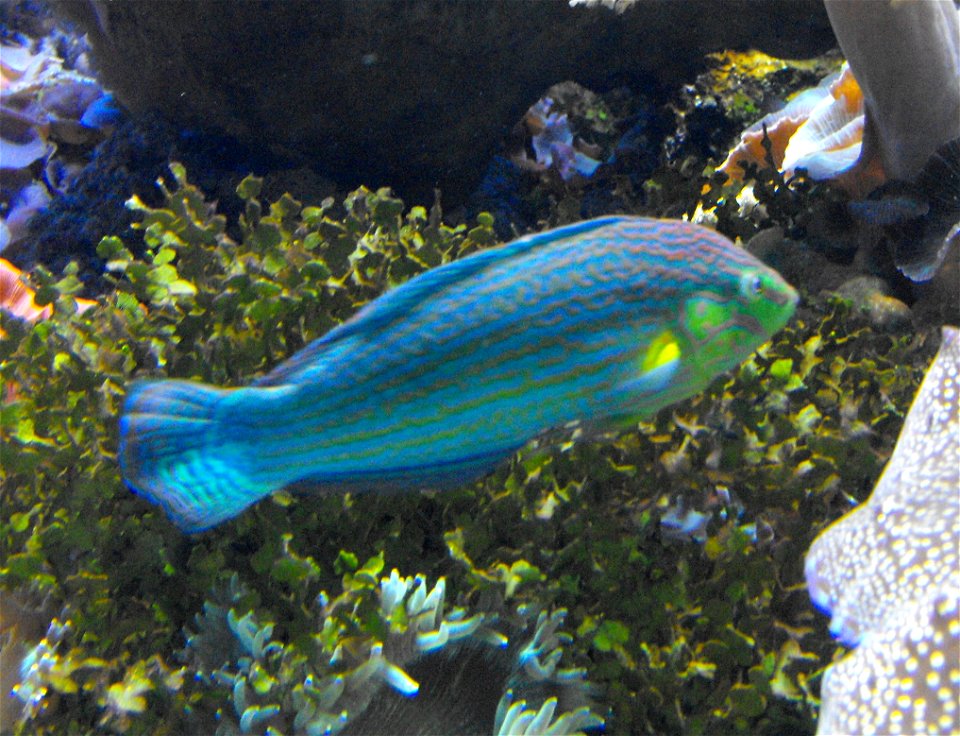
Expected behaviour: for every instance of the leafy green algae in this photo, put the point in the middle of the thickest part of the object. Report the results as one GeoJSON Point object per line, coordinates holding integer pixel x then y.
{"type": "Point", "coordinates": [684, 637]}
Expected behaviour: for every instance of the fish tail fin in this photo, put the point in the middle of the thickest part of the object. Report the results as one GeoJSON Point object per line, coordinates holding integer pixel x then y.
{"type": "Point", "coordinates": [173, 452]}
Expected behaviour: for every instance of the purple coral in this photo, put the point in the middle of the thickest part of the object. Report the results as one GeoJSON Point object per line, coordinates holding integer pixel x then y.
{"type": "Point", "coordinates": [554, 146]}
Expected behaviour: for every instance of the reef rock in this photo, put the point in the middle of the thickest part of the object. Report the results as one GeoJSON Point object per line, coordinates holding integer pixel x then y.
{"type": "Point", "coordinates": [888, 573]}
{"type": "Point", "coordinates": [412, 94]}
{"type": "Point", "coordinates": [906, 57]}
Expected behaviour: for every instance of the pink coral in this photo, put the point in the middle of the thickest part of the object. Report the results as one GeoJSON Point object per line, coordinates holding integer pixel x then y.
{"type": "Point", "coordinates": [41, 105]}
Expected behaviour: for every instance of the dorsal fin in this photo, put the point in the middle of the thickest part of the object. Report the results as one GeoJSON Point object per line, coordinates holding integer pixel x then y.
{"type": "Point", "coordinates": [397, 303]}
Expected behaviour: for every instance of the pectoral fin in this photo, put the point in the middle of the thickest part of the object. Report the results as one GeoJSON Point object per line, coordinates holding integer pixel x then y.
{"type": "Point", "coordinates": [640, 394]}
{"type": "Point", "coordinates": [658, 365]}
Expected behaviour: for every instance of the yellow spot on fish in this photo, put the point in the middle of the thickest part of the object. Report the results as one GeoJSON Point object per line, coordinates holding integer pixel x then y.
{"type": "Point", "coordinates": [662, 351]}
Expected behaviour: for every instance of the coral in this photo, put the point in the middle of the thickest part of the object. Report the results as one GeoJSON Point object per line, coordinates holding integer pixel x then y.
{"type": "Point", "coordinates": [618, 6]}
{"type": "Point", "coordinates": [128, 162]}
{"type": "Point", "coordinates": [49, 673]}
{"type": "Point", "coordinates": [19, 300]}
{"type": "Point", "coordinates": [734, 90]}
{"type": "Point", "coordinates": [551, 168]}
{"type": "Point", "coordinates": [902, 232]}
{"type": "Point", "coordinates": [52, 117]}
{"type": "Point", "coordinates": [24, 617]}
{"type": "Point", "coordinates": [820, 131]}
{"type": "Point", "coordinates": [16, 298]}
{"type": "Point", "coordinates": [553, 144]}
{"type": "Point", "coordinates": [43, 670]}
{"type": "Point", "coordinates": [888, 574]}
{"type": "Point", "coordinates": [370, 636]}
{"type": "Point", "coordinates": [913, 108]}
{"type": "Point", "coordinates": [903, 679]}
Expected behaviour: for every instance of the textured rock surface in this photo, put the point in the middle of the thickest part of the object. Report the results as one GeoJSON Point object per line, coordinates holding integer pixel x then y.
{"type": "Point", "coordinates": [889, 575]}
{"type": "Point", "coordinates": [411, 94]}
{"type": "Point", "coordinates": [913, 108]}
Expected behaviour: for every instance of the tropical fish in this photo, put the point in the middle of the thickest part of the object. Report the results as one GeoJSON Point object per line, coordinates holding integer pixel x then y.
{"type": "Point", "coordinates": [437, 381]}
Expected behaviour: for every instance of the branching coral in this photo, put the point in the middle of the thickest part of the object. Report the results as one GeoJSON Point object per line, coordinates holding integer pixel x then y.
{"type": "Point", "coordinates": [274, 688]}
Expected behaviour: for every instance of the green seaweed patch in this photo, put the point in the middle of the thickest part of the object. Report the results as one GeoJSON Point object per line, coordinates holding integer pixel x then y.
{"type": "Point", "coordinates": [721, 634]}
{"type": "Point", "coordinates": [201, 305]}
{"type": "Point", "coordinates": [684, 636]}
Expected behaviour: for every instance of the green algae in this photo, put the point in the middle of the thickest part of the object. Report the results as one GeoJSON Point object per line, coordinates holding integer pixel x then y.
{"type": "Point", "coordinates": [683, 637]}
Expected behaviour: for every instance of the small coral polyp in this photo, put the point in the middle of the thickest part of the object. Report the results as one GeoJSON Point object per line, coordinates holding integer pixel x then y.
{"type": "Point", "coordinates": [37, 668]}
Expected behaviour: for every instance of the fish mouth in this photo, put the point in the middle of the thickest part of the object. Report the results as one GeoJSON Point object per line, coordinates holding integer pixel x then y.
{"type": "Point", "coordinates": [786, 296]}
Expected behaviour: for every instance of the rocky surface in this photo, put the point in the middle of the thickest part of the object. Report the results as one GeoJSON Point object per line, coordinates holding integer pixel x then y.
{"type": "Point", "coordinates": [410, 94]}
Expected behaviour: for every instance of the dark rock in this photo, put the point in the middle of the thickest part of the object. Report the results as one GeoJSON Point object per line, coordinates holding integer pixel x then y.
{"type": "Point", "coordinates": [938, 300]}
{"type": "Point", "coordinates": [871, 297]}
{"type": "Point", "coordinates": [130, 162]}
{"type": "Point", "coordinates": [501, 193]}
{"type": "Point", "coordinates": [797, 263]}
{"type": "Point", "coordinates": [127, 163]}
{"type": "Point", "coordinates": [416, 93]}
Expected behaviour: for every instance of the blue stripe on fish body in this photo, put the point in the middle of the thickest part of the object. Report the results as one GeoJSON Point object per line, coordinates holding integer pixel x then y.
{"type": "Point", "coordinates": [437, 381]}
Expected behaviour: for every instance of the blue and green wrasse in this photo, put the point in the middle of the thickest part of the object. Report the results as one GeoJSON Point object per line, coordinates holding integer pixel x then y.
{"type": "Point", "coordinates": [436, 382]}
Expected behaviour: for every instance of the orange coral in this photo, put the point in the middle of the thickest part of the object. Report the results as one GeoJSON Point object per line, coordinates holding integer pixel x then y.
{"type": "Point", "coordinates": [820, 130]}
{"type": "Point", "coordinates": [17, 298]}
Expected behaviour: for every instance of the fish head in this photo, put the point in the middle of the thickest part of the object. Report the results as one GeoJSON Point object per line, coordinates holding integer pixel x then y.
{"type": "Point", "coordinates": [729, 315]}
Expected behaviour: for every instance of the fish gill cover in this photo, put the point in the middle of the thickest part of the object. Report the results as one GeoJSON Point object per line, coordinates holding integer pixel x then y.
{"type": "Point", "coordinates": [676, 636]}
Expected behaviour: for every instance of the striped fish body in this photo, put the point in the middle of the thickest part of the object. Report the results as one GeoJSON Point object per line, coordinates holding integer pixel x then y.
{"type": "Point", "coordinates": [440, 379]}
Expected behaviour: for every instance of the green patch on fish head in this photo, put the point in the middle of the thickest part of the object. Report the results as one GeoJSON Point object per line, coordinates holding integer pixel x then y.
{"type": "Point", "coordinates": [724, 326]}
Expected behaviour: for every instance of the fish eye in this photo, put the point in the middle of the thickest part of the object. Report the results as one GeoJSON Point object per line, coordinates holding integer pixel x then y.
{"type": "Point", "coordinates": [751, 285]}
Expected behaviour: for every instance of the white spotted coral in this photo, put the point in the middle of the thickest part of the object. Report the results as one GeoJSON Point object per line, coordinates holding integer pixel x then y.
{"type": "Point", "coordinates": [889, 575]}
{"type": "Point", "coordinates": [910, 670]}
